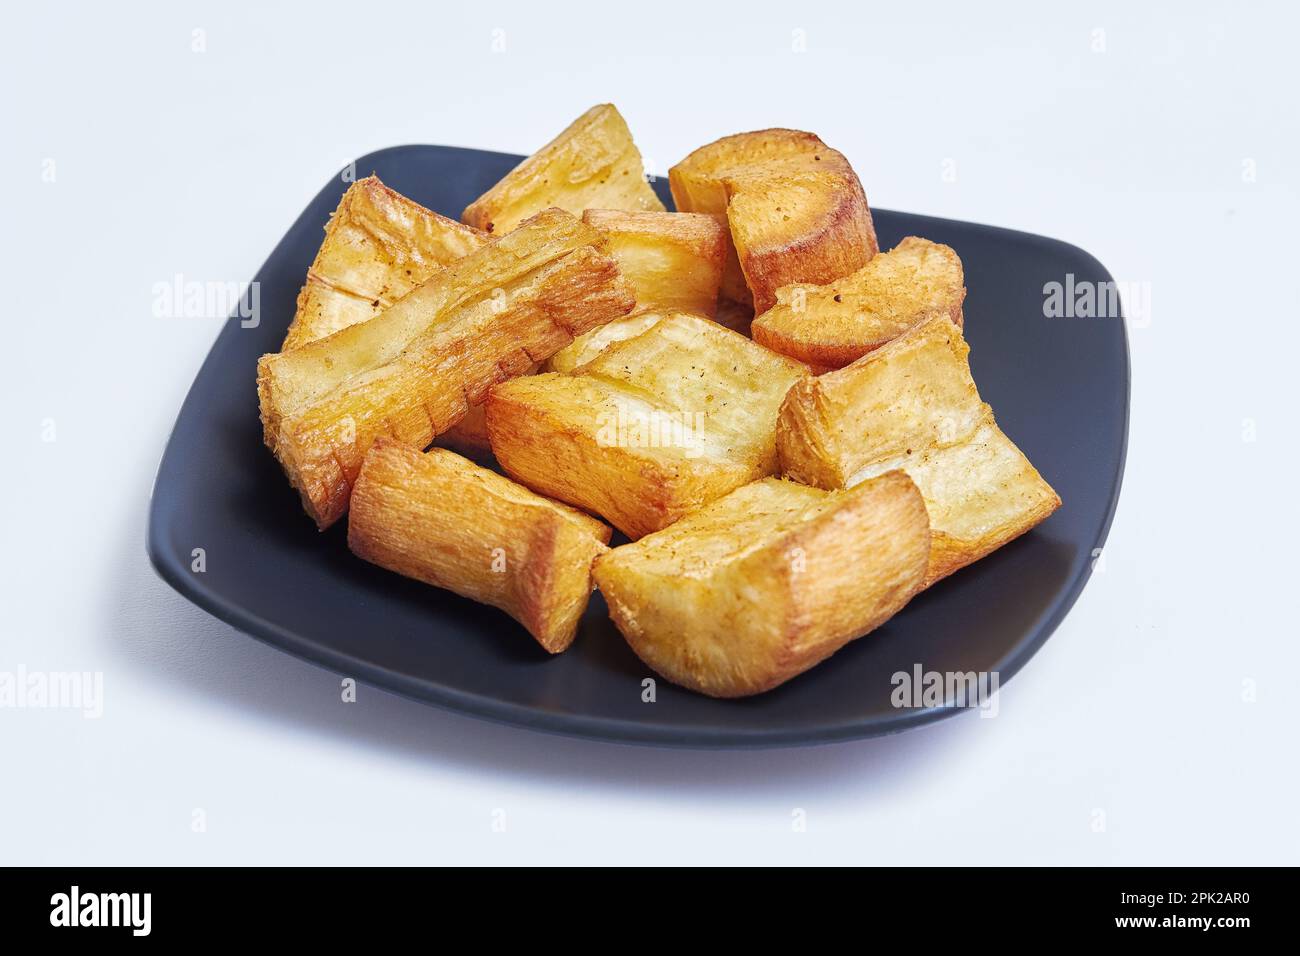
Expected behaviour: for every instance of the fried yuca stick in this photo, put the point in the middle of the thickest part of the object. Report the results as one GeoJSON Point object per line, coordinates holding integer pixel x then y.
{"type": "Point", "coordinates": [833, 325]}
{"type": "Point", "coordinates": [795, 208]}
{"type": "Point", "coordinates": [443, 520]}
{"type": "Point", "coordinates": [913, 406]}
{"type": "Point", "coordinates": [767, 581]}
{"type": "Point", "coordinates": [651, 428]}
{"type": "Point", "coordinates": [378, 246]}
{"type": "Point", "coordinates": [413, 371]}
{"type": "Point", "coordinates": [592, 164]}
{"type": "Point", "coordinates": [674, 260]}
{"type": "Point", "coordinates": [587, 347]}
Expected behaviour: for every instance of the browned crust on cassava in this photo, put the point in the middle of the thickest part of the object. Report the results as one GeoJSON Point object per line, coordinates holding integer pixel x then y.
{"type": "Point", "coordinates": [378, 246]}
{"type": "Point", "coordinates": [443, 520]}
{"type": "Point", "coordinates": [674, 260]}
{"type": "Point", "coordinates": [912, 405]}
{"type": "Point", "coordinates": [589, 438]}
{"type": "Point", "coordinates": [488, 317]}
{"type": "Point", "coordinates": [844, 241]}
{"type": "Point", "coordinates": [635, 493]}
{"type": "Point", "coordinates": [755, 589]}
{"type": "Point", "coordinates": [592, 163]}
{"type": "Point", "coordinates": [824, 232]}
{"type": "Point", "coordinates": [949, 553]}
{"type": "Point", "coordinates": [832, 325]}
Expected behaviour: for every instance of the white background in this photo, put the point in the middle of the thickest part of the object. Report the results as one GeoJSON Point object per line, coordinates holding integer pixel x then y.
{"type": "Point", "coordinates": [1138, 712]}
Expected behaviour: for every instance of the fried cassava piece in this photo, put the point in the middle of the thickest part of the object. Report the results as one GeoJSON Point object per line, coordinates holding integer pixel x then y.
{"type": "Point", "coordinates": [593, 164]}
{"type": "Point", "coordinates": [795, 208]}
{"type": "Point", "coordinates": [378, 246]}
{"type": "Point", "coordinates": [416, 369]}
{"type": "Point", "coordinates": [443, 520]}
{"type": "Point", "coordinates": [674, 260]}
{"type": "Point", "coordinates": [586, 347]}
{"type": "Point", "coordinates": [674, 263]}
{"type": "Point", "coordinates": [651, 428]}
{"type": "Point", "coordinates": [762, 584]}
{"type": "Point", "coordinates": [912, 405]}
{"type": "Point", "coordinates": [833, 325]}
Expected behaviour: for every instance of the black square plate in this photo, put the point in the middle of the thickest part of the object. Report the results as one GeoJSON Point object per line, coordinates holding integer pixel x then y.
{"type": "Point", "coordinates": [1059, 387]}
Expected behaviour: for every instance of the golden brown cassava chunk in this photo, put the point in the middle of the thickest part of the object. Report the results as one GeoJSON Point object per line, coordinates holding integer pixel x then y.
{"type": "Point", "coordinates": [593, 164]}
{"type": "Point", "coordinates": [796, 210]}
{"type": "Point", "coordinates": [767, 581]}
{"type": "Point", "coordinates": [651, 428]}
{"type": "Point", "coordinates": [415, 370]}
{"type": "Point", "coordinates": [443, 520]}
{"type": "Point", "coordinates": [912, 405]}
{"type": "Point", "coordinates": [833, 325]}
{"type": "Point", "coordinates": [587, 347]}
{"type": "Point", "coordinates": [673, 259]}
{"type": "Point", "coordinates": [378, 246]}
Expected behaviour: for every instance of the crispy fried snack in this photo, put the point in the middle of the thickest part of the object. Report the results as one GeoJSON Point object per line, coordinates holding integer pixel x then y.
{"type": "Point", "coordinates": [796, 210]}
{"type": "Point", "coordinates": [441, 519]}
{"type": "Point", "coordinates": [833, 325]}
{"type": "Point", "coordinates": [651, 428]}
{"type": "Point", "coordinates": [593, 164]}
{"type": "Point", "coordinates": [378, 246]}
{"type": "Point", "coordinates": [413, 371]}
{"type": "Point", "coordinates": [764, 583]}
{"type": "Point", "coordinates": [587, 347]}
{"type": "Point", "coordinates": [912, 405]}
{"type": "Point", "coordinates": [674, 260]}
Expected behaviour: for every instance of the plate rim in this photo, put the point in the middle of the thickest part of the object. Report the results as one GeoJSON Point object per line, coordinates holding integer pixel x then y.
{"type": "Point", "coordinates": [170, 568]}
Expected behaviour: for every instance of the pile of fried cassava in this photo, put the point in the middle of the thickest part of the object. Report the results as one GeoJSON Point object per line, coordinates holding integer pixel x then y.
{"type": "Point", "coordinates": [777, 415]}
